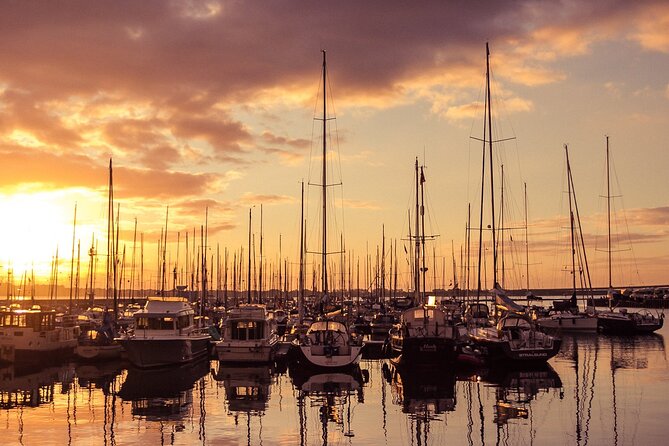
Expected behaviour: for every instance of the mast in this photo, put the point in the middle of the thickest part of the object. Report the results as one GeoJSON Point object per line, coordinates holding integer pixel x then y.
{"type": "Point", "coordinates": [608, 210]}
{"type": "Point", "coordinates": [527, 246]}
{"type": "Point", "coordinates": [492, 176]}
{"type": "Point", "coordinates": [324, 184]}
{"type": "Point", "coordinates": [300, 298]}
{"type": "Point", "coordinates": [260, 299]}
{"type": "Point", "coordinates": [416, 278]}
{"type": "Point", "coordinates": [248, 273]}
{"type": "Point", "coordinates": [74, 232]}
{"type": "Point", "coordinates": [571, 222]}
{"type": "Point", "coordinates": [422, 231]}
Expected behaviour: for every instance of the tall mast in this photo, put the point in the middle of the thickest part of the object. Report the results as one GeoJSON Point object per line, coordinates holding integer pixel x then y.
{"type": "Point", "coordinates": [527, 246]}
{"type": "Point", "coordinates": [260, 300]}
{"type": "Point", "coordinates": [74, 232]}
{"type": "Point", "coordinates": [416, 277]}
{"type": "Point", "coordinates": [492, 176]}
{"type": "Point", "coordinates": [571, 222]}
{"type": "Point", "coordinates": [422, 231]}
{"type": "Point", "coordinates": [300, 298]}
{"type": "Point", "coordinates": [248, 274]}
{"type": "Point", "coordinates": [608, 209]}
{"type": "Point", "coordinates": [324, 184]}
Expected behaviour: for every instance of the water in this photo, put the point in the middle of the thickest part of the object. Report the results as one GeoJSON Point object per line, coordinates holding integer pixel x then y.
{"type": "Point", "coordinates": [600, 390]}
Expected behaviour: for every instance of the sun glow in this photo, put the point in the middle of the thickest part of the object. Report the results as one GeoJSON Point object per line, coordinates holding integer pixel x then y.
{"type": "Point", "coordinates": [32, 227]}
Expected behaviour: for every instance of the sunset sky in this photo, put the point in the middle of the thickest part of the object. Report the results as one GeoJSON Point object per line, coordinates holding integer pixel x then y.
{"type": "Point", "coordinates": [211, 104]}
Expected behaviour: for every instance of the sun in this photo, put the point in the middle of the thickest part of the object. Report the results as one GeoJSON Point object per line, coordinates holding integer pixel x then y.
{"type": "Point", "coordinates": [33, 226]}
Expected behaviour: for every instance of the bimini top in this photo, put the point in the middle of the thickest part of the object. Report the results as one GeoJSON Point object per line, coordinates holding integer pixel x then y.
{"type": "Point", "coordinates": [327, 326]}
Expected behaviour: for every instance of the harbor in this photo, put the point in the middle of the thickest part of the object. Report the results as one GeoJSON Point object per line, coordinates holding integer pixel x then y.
{"type": "Point", "coordinates": [344, 223]}
{"type": "Point", "coordinates": [598, 390]}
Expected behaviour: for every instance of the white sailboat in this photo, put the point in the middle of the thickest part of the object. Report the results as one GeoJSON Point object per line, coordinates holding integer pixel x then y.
{"type": "Point", "coordinates": [569, 317]}
{"type": "Point", "coordinates": [621, 321]}
{"type": "Point", "coordinates": [514, 338]}
{"type": "Point", "coordinates": [327, 343]}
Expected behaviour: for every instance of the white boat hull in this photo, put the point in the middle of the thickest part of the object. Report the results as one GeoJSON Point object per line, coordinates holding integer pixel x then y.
{"type": "Point", "coordinates": [317, 356]}
{"type": "Point", "coordinates": [568, 323]}
{"type": "Point", "coordinates": [246, 351]}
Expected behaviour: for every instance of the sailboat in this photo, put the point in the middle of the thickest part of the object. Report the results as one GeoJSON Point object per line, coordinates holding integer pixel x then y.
{"type": "Point", "coordinates": [96, 343]}
{"type": "Point", "coordinates": [327, 343]}
{"type": "Point", "coordinates": [621, 321]}
{"type": "Point", "coordinates": [514, 338]}
{"type": "Point", "coordinates": [426, 333]}
{"type": "Point", "coordinates": [568, 317]}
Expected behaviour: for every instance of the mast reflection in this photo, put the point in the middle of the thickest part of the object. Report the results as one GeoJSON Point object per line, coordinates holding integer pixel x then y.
{"type": "Point", "coordinates": [32, 386]}
{"type": "Point", "coordinates": [333, 394]}
{"type": "Point", "coordinates": [247, 389]}
{"type": "Point", "coordinates": [163, 393]}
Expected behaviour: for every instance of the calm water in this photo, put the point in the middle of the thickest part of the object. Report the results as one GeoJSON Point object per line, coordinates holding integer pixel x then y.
{"type": "Point", "coordinates": [600, 390]}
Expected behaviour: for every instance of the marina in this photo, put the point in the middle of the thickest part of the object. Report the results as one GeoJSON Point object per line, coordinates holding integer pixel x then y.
{"type": "Point", "coordinates": [345, 223]}
{"type": "Point", "coordinates": [599, 389]}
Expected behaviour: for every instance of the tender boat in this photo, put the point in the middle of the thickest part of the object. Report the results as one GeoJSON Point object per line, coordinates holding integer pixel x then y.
{"type": "Point", "coordinates": [35, 335]}
{"type": "Point", "coordinates": [249, 336]}
{"type": "Point", "coordinates": [165, 333]}
{"type": "Point", "coordinates": [97, 342]}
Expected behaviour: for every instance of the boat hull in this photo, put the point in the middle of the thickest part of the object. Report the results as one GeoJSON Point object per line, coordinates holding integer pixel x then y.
{"type": "Point", "coordinates": [615, 324]}
{"type": "Point", "coordinates": [571, 323]}
{"type": "Point", "coordinates": [146, 353]}
{"type": "Point", "coordinates": [246, 352]}
{"type": "Point", "coordinates": [502, 351]}
{"type": "Point", "coordinates": [98, 352]}
{"type": "Point", "coordinates": [313, 357]}
{"type": "Point", "coordinates": [423, 350]}
{"type": "Point", "coordinates": [36, 347]}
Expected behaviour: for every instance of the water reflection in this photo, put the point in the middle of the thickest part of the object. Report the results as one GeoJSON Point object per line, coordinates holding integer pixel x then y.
{"type": "Point", "coordinates": [32, 386]}
{"type": "Point", "coordinates": [163, 393]}
{"type": "Point", "coordinates": [596, 361]}
{"type": "Point", "coordinates": [599, 390]}
{"type": "Point", "coordinates": [247, 389]}
{"type": "Point", "coordinates": [333, 395]}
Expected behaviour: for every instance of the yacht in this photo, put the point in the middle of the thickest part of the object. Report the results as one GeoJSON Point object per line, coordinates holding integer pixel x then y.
{"type": "Point", "coordinates": [425, 334]}
{"type": "Point", "coordinates": [164, 333]}
{"type": "Point", "coordinates": [36, 334]}
{"type": "Point", "coordinates": [514, 339]}
{"type": "Point", "coordinates": [249, 335]}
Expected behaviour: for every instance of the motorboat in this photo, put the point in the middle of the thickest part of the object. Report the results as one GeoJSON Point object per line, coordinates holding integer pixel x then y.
{"type": "Point", "coordinates": [249, 335]}
{"type": "Point", "coordinates": [164, 333]}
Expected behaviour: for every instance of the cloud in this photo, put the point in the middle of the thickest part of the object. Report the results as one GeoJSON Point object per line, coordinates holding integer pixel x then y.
{"type": "Point", "coordinates": [651, 29]}
{"type": "Point", "coordinates": [361, 204]}
{"type": "Point", "coordinates": [252, 199]}
{"type": "Point", "coordinates": [658, 216]}
{"type": "Point", "coordinates": [22, 166]}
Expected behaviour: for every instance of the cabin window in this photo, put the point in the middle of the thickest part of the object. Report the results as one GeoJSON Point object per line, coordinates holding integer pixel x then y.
{"type": "Point", "coordinates": [246, 330]}
{"type": "Point", "coordinates": [246, 392]}
{"type": "Point", "coordinates": [183, 322]}
{"type": "Point", "coordinates": [155, 323]}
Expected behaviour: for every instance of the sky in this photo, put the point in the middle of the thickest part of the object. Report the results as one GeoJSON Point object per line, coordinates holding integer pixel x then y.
{"type": "Point", "coordinates": [209, 110]}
